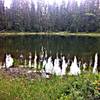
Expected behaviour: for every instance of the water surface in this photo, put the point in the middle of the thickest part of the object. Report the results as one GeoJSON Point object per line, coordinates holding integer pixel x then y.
{"type": "Point", "coordinates": [84, 47]}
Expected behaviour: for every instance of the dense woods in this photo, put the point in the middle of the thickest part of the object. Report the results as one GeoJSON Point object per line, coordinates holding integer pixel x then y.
{"type": "Point", "coordinates": [25, 16]}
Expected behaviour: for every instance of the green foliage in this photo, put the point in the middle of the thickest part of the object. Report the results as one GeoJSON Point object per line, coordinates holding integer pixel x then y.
{"type": "Point", "coordinates": [81, 88]}
{"type": "Point", "coordinates": [57, 88]}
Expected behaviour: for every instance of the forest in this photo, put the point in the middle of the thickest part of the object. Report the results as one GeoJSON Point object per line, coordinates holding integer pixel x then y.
{"type": "Point", "coordinates": [40, 16]}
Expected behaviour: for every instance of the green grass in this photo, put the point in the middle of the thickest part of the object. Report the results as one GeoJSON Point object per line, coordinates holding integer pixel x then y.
{"type": "Point", "coordinates": [57, 88]}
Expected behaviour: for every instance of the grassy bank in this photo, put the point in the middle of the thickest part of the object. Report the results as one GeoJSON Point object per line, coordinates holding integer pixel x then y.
{"type": "Point", "coordinates": [50, 33]}
{"type": "Point", "coordinates": [67, 88]}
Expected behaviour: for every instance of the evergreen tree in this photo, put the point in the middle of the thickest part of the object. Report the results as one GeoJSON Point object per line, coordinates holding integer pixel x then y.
{"type": "Point", "coordinates": [33, 18]}
{"type": "Point", "coordinates": [2, 16]}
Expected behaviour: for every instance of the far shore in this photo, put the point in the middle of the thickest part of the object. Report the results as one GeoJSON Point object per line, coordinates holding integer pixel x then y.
{"type": "Point", "coordinates": [49, 33]}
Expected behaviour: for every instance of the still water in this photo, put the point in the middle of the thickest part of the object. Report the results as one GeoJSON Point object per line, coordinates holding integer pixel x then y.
{"type": "Point", "coordinates": [84, 47]}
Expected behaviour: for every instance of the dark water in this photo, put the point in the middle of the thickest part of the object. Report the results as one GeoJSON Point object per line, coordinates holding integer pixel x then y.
{"type": "Point", "coordinates": [84, 47]}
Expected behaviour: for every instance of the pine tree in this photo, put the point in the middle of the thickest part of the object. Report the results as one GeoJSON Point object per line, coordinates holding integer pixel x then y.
{"type": "Point", "coordinates": [2, 16]}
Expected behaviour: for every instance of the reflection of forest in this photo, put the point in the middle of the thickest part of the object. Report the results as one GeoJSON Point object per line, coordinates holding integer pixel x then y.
{"type": "Point", "coordinates": [84, 47]}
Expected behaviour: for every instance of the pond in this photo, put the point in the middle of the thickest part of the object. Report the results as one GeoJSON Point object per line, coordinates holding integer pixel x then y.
{"type": "Point", "coordinates": [84, 47]}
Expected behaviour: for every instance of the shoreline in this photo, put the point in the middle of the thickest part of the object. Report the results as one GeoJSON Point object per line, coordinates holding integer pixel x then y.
{"type": "Point", "coordinates": [51, 33]}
